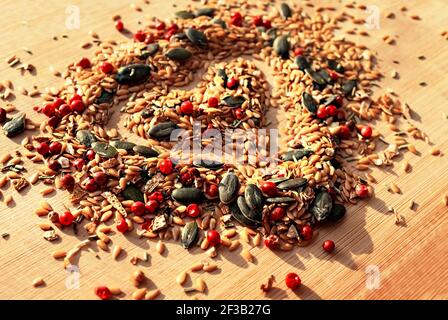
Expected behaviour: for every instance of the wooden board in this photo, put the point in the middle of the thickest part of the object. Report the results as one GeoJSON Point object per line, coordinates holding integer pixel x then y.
{"type": "Point", "coordinates": [411, 259]}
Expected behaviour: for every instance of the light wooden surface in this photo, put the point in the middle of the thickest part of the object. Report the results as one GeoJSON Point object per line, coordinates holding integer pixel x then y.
{"type": "Point", "coordinates": [411, 258]}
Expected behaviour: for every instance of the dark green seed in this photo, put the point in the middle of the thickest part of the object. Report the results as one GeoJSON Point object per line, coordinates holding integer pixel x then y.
{"type": "Point", "coordinates": [184, 14]}
{"type": "Point", "coordinates": [280, 200]}
{"type": "Point", "coordinates": [277, 180]}
{"type": "Point", "coordinates": [317, 78]}
{"type": "Point", "coordinates": [228, 187]}
{"type": "Point", "coordinates": [272, 35]}
{"type": "Point", "coordinates": [196, 37]}
{"type": "Point", "coordinates": [85, 137]}
{"type": "Point", "coordinates": [219, 22]}
{"type": "Point", "coordinates": [133, 74]}
{"type": "Point", "coordinates": [208, 12]}
{"type": "Point", "coordinates": [124, 145]}
{"type": "Point", "coordinates": [188, 195]}
{"type": "Point", "coordinates": [309, 102]}
{"type": "Point", "coordinates": [324, 75]}
{"type": "Point", "coordinates": [293, 184]}
{"type": "Point", "coordinates": [105, 97]}
{"type": "Point", "coordinates": [209, 164]}
{"type": "Point", "coordinates": [15, 126]}
{"type": "Point", "coordinates": [145, 151]}
{"type": "Point", "coordinates": [189, 234]}
{"type": "Point", "coordinates": [248, 213]}
{"type": "Point", "coordinates": [238, 216]}
{"type": "Point", "coordinates": [180, 36]}
{"type": "Point", "coordinates": [331, 99]}
{"type": "Point", "coordinates": [253, 197]}
{"type": "Point", "coordinates": [178, 54]}
{"type": "Point", "coordinates": [104, 150]}
{"type": "Point", "coordinates": [321, 206]}
{"type": "Point", "coordinates": [222, 74]}
{"type": "Point", "coordinates": [334, 65]}
{"type": "Point", "coordinates": [131, 192]}
{"type": "Point", "coordinates": [149, 51]}
{"type": "Point", "coordinates": [281, 46]}
{"type": "Point", "coordinates": [162, 131]}
{"type": "Point", "coordinates": [302, 63]}
{"type": "Point", "coordinates": [295, 155]}
{"type": "Point", "coordinates": [349, 87]}
{"type": "Point", "coordinates": [285, 11]}
{"type": "Point", "coordinates": [234, 102]}
{"type": "Point", "coordinates": [337, 212]}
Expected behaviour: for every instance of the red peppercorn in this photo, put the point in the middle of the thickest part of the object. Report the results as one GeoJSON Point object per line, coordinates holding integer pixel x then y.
{"type": "Point", "coordinates": [293, 281]}
{"type": "Point", "coordinates": [54, 165]}
{"type": "Point", "coordinates": [166, 166]}
{"type": "Point", "coordinates": [340, 115]}
{"type": "Point", "coordinates": [339, 101]}
{"type": "Point", "coordinates": [100, 178]}
{"type": "Point", "coordinates": [103, 293]}
{"type": "Point", "coordinates": [212, 191]}
{"type": "Point", "coordinates": [151, 206]}
{"type": "Point", "coordinates": [257, 21]}
{"type": "Point", "coordinates": [55, 147]}
{"type": "Point", "coordinates": [160, 25]}
{"type": "Point", "coordinates": [122, 225]}
{"type": "Point", "coordinates": [66, 218]}
{"type": "Point", "coordinates": [43, 148]}
{"type": "Point", "coordinates": [277, 213]}
{"type": "Point", "coordinates": [79, 164]}
{"type": "Point", "coordinates": [236, 19]}
{"type": "Point", "coordinates": [186, 107]}
{"type": "Point", "coordinates": [169, 34]}
{"type": "Point", "coordinates": [173, 27]}
{"type": "Point", "coordinates": [64, 109]}
{"type": "Point", "coordinates": [233, 83]}
{"type": "Point", "coordinates": [269, 188]}
{"type": "Point", "coordinates": [213, 237]}
{"type": "Point", "coordinates": [84, 63]}
{"type": "Point", "coordinates": [77, 106]}
{"type": "Point", "coordinates": [267, 23]}
{"type": "Point", "coordinates": [149, 38]}
{"type": "Point", "coordinates": [119, 25]}
{"type": "Point", "coordinates": [106, 67]}
{"type": "Point", "coordinates": [271, 242]}
{"type": "Point", "coordinates": [298, 52]}
{"type": "Point", "coordinates": [49, 110]}
{"type": "Point", "coordinates": [138, 208]}
{"type": "Point", "coordinates": [331, 110]}
{"type": "Point", "coordinates": [91, 185]}
{"type": "Point", "coordinates": [75, 98]}
{"type": "Point", "coordinates": [54, 121]}
{"type": "Point", "coordinates": [68, 181]}
{"type": "Point", "coordinates": [333, 75]}
{"type": "Point", "coordinates": [328, 246]}
{"type": "Point", "coordinates": [239, 114]}
{"type": "Point", "coordinates": [344, 132]}
{"type": "Point", "coordinates": [362, 191]}
{"type": "Point", "coordinates": [366, 132]}
{"type": "Point", "coordinates": [306, 232]}
{"type": "Point", "coordinates": [321, 113]}
{"type": "Point", "coordinates": [186, 178]}
{"type": "Point", "coordinates": [146, 225]}
{"type": "Point", "coordinates": [193, 210]}
{"type": "Point", "coordinates": [90, 154]}
{"type": "Point", "coordinates": [140, 36]}
{"type": "Point", "coordinates": [157, 196]}
{"type": "Point", "coordinates": [2, 115]}
{"type": "Point", "coordinates": [58, 102]}
{"type": "Point", "coordinates": [212, 102]}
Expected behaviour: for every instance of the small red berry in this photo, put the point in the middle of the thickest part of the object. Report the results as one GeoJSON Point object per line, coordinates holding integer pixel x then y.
{"type": "Point", "coordinates": [75, 98]}
{"type": "Point", "coordinates": [339, 101]}
{"type": "Point", "coordinates": [122, 225]}
{"type": "Point", "coordinates": [213, 237]}
{"type": "Point", "coordinates": [173, 27]}
{"type": "Point", "coordinates": [100, 178]}
{"type": "Point", "coordinates": [331, 110]}
{"type": "Point", "coordinates": [277, 213]}
{"type": "Point", "coordinates": [236, 19]}
{"type": "Point", "coordinates": [160, 25]}
{"type": "Point", "coordinates": [361, 190]}
{"type": "Point", "coordinates": [166, 166]}
{"type": "Point", "coordinates": [49, 110]}
{"type": "Point", "coordinates": [140, 36]}
{"type": "Point", "coordinates": [344, 132]}
{"type": "Point", "coordinates": [340, 115]}
{"type": "Point", "coordinates": [169, 34]}
{"type": "Point", "coordinates": [212, 190]}
{"type": "Point", "coordinates": [193, 210]}
{"type": "Point", "coordinates": [91, 185]}
{"type": "Point", "coordinates": [64, 109]}
{"type": "Point", "coordinates": [58, 102]}
{"type": "Point", "coordinates": [68, 181]}
{"type": "Point", "coordinates": [90, 154]}
{"type": "Point", "coordinates": [186, 107]}
{"type": "Point", "coordinates": [269, 188]}
{"type": "Point", "coordinates": [119, 25]}
{"type": "Point", "coordinates": [328, 246]}
{"type": "Point", "coordinates": [157, 196]}
{"type": "Point", "coordinates": [152, 206]}
{"type": "Point", "coordinates": [103, 293]}
{"type": "Point", "coordinates": [84, 63]}
{"type": "Point", "coordinates": [43, 148]}
{"type": "Point", "coordinates": [2, 115]}
{"type": "Point", "coordinates": [106, 67]}
{"type": "Point", "coordinates": [186, 178]}
{"type": "Point", "coordinates": [54, 121]}
{"type": "Point", "coordinates": [55, 147]}
{"type": "Point", "coordinates": [54, 165]}
{"type": "Point", "coordinates": [267, 23]}
{"type": "Point", "coordinates": [306, 232]}
{"type": "Point", "coordinates": [257, 21]}
{"type": "Point", "coordinates": [298, 52]}
{"type": "Point", "coordinates": [321, 113]}
{"type": "Point", "coordinates": [293, 281]}
{"type": "Point", "coordinates": [239, 114]}
{"type": "Point", "coordinates": [213, 102]}
{"type": "Point", "coordinates": [149, 38]}
{"type": "Point", "coordinates": [233, 83]}
{"type": "Point", "coordinates": [138, 208]}
{"type": "Point", "coordinates": [77, 106]}
{"type": "Point", "coordinates": [66, 218]}
{"type": "Point", "coordinates": [79, 164]}
{"type": "Point", "coordinates": [333, 75]}
{"type": "Point", "coordinates": [271, 242]}
{"type": "Point", "coordinates": [366, 132]}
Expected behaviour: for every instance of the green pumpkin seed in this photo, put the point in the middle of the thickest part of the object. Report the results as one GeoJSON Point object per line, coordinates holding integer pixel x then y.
{"type": "Point", "coordinates": [131, 192]}
{"type": "Point", "coordinates": [278, 180]}
{"type": "Point", "coordinates": [238, 216]}
{"type": "Point", "coordinates": [281, 46]}
{"type": "Point", "coordinates": [280, 200]}
{"type": "Point", "coordinates": [228, 187]}
{"type": "Point", "coordinates": [208, 12]}
{"type": "Point", "coordinates": [124, 145]}
{"type": "Point", "coordinates": [331, 99]}
{"type": "Point", "coordinates": [145, 151]}
{"type": "Point", "coordinates": [285, 11]}
{"type": "Point", "coordinates": [149, 51]}
{"type": "Point", "coordinates": [178, 54]}
{"type": "Point", "coordinates": [324, 75]}
{"type": "Point", "coordinates": [85, 137]}
{"type": "Point", "coordinates": [15, 126]}
{"type": "Point", "coordinates": [189, 234]}
{"type": "Point", "coordinates": [222, 74]}
{"type": "Point", "coordinates": [104, 150]}
{"type": "Point", "coordinates": [234, 102]}
{"type": "Point", "coordinates": [196, 37]}
{"type": "Point", "coordinates": [349, 87]}
{"type": "Point", "coordinates": [188, 195]}
{"type": "Point", "coordinates": [302, 63]}
{"type": "Point", "coordinates": [293, 184]}
{"type": "Point", "coordinates": [162, 131]}
{"type": "Point", "coordinates": [133, 74]}
{"type": "Point", "coordinates": [184, 14]}
{"type": "Point", "coordinates": [209, 164]}
{"type": "Point", "coordinates": [309, 102]}
{"type": "Point", "coordinates": [272, 35]}
{"type": "Point", "coordinates": [321, 206]}
{"type": "Point", "coordinates": [253, 197]}
{"type": "Point", "coordinates": [219, 22]}
{"type": "Point", "coordinates": [295, 155]}
{"type": "Point", "coordinates": [337, 212]}
{"type": "Point", "coordinates": [334, 65]}
{"type": "Point", "coordinates": [248, 213]}
{"type": "Point", "coordinates": [105, 97]}
{"type": "Point", "coordinates": [317, 78]}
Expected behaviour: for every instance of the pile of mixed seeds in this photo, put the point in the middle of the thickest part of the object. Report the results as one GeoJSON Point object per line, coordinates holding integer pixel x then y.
{"type": "Point", "coordinates": [322, 82]}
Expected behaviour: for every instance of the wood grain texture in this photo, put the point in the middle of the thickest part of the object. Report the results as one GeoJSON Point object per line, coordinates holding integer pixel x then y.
{"type": "Point", "coordinates": [411, 258]}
